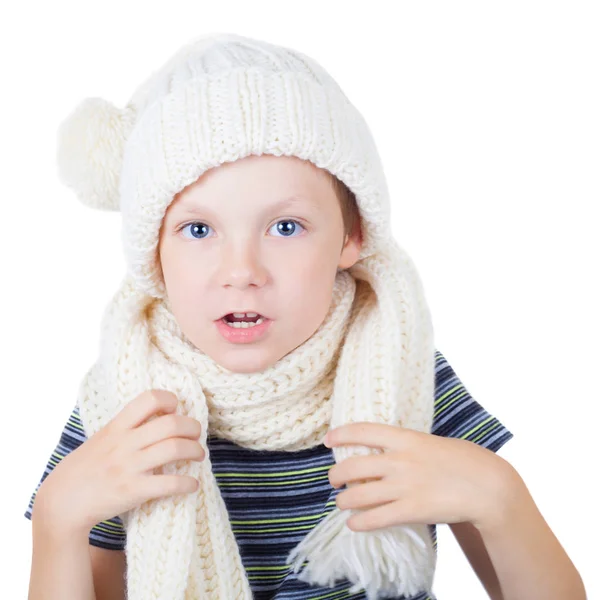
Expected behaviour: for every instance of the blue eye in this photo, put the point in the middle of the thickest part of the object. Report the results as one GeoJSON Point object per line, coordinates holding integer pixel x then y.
{"type": "Point", "coordinates": [197, 227]}
{"type": "Point", "coordinates": [286, 227]}
{"type": "Point", "coordinates": [286, 230]}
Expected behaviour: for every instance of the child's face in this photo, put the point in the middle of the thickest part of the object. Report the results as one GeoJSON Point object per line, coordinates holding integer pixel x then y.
{"type": "Point", "coordinates": [239, 252]}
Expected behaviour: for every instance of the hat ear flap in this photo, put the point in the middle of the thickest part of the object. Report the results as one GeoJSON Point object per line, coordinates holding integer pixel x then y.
{"type": "Point", "coordinates": [91, 141]}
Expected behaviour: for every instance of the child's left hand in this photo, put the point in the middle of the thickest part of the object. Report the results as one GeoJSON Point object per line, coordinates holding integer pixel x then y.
{"type": "Point", "coordinates": [419, 478]}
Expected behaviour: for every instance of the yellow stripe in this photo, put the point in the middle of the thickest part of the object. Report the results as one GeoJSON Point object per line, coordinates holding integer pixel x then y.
{"type": "Point", "coordinates": [345, 592]}
{"type": "Point", "coordinates": [450, 391]}
{"type": "Point", "coordinates": [274, 530]}
{"type": "Point", "coordinates": [244, 484]}
{"type": "Point", "coordinates": [477, 427]}
{"type": "Point", "coordinates": [494, 426]}
{"type": "Point", "coordinates": [451, 402]}
{"type": "Point", "coordinates": [98, 527]}
{"type": "Point", "coordinates": [286, 567]}
{"type": "Point", "coordinates": [73, 422]}
{"type": "Point", "coordinates": [281, 474]}
{"type": "Point", "coordinates": [290, 520]}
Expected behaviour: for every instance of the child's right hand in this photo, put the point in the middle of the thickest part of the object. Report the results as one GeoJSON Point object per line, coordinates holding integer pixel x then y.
{"type": "Point", "coordinates": [112, 471]}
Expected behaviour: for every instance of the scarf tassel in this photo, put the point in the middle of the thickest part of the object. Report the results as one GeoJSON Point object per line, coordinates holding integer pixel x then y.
{"type": "Point", "coordinates": [388, 562]}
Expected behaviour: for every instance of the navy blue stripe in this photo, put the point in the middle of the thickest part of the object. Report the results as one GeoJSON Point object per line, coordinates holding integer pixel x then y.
{"type": "Point", "coordinates": [275, 498]}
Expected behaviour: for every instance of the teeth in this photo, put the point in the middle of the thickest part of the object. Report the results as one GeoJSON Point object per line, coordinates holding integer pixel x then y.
{"type": "Point", "coordinates": [240, 315]}
{"type": "Point", "coordinates": [245, 324]}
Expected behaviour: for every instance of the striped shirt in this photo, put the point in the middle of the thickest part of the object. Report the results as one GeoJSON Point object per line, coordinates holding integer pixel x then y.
{"type": "Point", "coordinates": [274, 498]}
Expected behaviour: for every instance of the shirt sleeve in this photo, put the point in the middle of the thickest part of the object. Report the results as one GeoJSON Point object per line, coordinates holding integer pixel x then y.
{"type": "Point", "coordinates": [109, 534]}
{"type": "Point", "coordinates": [457, 414]}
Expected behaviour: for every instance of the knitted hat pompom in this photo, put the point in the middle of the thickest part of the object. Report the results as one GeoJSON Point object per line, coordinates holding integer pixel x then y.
{"type": "Point", "coordinates": [221, 98]}
{"type": "Point", "coordinates": [91, 141]}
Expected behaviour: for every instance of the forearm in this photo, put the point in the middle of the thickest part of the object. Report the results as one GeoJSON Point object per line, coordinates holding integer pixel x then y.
{"type": "Point", "coordinates": [61, 566]}
{"type": "Point", "coordinates": [528, 559]}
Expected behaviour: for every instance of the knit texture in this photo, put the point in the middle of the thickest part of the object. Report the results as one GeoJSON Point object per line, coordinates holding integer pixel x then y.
{"type": "Point", "coordinates": [183, 546]}
{"type": "Point", "coordinates": [222, 98]}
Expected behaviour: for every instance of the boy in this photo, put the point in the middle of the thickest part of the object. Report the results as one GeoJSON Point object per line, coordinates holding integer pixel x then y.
{"type": "Point", "coordinates": [270, 338]}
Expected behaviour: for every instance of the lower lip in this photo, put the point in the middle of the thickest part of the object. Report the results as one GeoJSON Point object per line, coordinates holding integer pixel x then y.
{"type": "Point", "coordinates": [243, 335]}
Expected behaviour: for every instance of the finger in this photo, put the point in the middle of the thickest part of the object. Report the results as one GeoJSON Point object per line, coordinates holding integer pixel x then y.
{"type": "Point", "coordinates": [144, 406]}
{"type": "Point", "coordinates": [358, 468]}
{"type": "Point", "coordinates": [168, 451]}
{"type": "Point", "coordinates": [386, 515]}
{"type": "Point", "coordinates": [162, 428]}
{"type": "Point", "coordinates": [373, 435]}
{"type": "Point", "coordinates": [368, 495]}
{"type": "Point", "coordinates": [158, 486]}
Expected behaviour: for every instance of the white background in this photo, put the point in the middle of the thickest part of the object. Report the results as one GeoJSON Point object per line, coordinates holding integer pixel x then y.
{"type": "Point", "coordinates": [486, 116]}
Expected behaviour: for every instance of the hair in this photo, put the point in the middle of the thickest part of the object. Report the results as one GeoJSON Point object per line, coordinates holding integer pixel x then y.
{"type": "Point", "coordinates": [348, 204]}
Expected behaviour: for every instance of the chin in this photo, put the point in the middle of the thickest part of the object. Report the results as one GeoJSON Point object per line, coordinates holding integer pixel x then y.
{"type": "Point", "coordinates": [246, 362]}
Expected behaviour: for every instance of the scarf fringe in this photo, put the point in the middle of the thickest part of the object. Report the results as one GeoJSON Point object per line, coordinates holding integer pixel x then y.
{"type": "Point", "coordinates": [385, 563]}
{"type": "Point", "coordinates": [381, 375]}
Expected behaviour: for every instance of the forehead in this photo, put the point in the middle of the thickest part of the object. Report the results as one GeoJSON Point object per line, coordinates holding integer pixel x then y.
{"type": "Point", "coordinates": [276, 178]}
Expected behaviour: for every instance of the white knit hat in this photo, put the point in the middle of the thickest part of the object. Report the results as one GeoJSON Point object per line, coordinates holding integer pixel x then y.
{"type": "Point", "coordinates": [215, 101]}
{"type": "Point", "coordinates": [223, 97]}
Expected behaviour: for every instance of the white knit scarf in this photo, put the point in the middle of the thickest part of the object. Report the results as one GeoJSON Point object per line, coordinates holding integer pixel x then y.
{"type": "Point", "coordinates": [370, 360]}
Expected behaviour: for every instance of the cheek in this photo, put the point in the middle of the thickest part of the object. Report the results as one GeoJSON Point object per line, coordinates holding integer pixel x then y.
{"type": "Point", "coordinates": [185, 287]}
{"type": "Point", "coordinates": [305, 269]}
{"type": "Point", "coordinates": [180, 269]}
{"type": "Point", "coordinates": [306, 293]}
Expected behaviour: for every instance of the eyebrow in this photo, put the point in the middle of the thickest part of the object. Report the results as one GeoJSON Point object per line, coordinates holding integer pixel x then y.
{"type": "Point", "coordinates": [289, 201]}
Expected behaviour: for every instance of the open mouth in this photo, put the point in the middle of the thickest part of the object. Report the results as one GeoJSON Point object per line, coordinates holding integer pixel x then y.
{"type": "Point", "coordinates": [243, 320]}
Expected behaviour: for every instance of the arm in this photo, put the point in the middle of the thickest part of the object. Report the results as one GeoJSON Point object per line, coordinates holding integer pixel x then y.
{"type": "Point", "coordinates": [109, 569]}
{"type": "Point", "coordinates": [523, 554]}
{"type": "Point", "coordinates": [65, 565]}
{"type": "Point", "coordinates": [471, 543]}
{"type": "Point", "coordinates": [61, 566]}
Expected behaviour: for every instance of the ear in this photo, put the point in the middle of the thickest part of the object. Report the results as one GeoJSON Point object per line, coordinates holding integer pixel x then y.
{"type": "Point", "coordinates": [352, 247]}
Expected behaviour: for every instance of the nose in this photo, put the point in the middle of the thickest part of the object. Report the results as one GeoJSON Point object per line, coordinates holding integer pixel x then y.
{"type": "Point", "coordinates": [242, 266]}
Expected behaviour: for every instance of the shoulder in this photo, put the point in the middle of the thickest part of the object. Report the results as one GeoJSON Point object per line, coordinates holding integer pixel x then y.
{"type": "Point", "coordinates": [458, 414]}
